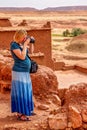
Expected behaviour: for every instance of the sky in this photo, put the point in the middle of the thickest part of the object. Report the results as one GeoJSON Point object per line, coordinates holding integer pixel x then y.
{"type": "Point", "coordinates": [41, 4]}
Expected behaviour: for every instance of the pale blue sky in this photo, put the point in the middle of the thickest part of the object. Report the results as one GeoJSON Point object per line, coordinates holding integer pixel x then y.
{"type": "Point", "coordinates": [41, 4]}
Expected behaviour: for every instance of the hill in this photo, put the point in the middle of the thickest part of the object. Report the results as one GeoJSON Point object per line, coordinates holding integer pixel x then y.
{"type": "Point", "coordinates": [66, 8]}
{"type": "Point", "coordinates": [62, 8]}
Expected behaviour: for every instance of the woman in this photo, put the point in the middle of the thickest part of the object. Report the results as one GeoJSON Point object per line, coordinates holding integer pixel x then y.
{"type": "Point", "coordinates": [21, 91]}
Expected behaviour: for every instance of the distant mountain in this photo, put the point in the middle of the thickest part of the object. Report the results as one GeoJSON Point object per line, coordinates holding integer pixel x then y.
{"type": "Point", "coordinates": [66, 8]}
{"type": "Point", "coordinates": [17, 9]}
{"type": "Point", "coordinates": [63, 8]}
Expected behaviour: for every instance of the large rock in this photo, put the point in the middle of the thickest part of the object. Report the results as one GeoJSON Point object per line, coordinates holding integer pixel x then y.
{"type": "Point", "coordinates": [84, 115]}
{"type": "Point", "coordinates": [6, 72]}
{"type": "Point", "coordinates": [75, 117]}
{"type": "Point", "coordinates": [44, 81]}
{"type": "Point", "coordinates": [76, 94]}
{"type": "Point", "coordinates": [45, 88]}
{"type": "Point", "coordinates": [76, 102]}
{"type": "Point", "coordinates": [57, 122]}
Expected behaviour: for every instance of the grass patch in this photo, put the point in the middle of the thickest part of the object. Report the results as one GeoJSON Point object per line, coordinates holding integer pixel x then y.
{"type": "Point", "coordinates": [55, 35]}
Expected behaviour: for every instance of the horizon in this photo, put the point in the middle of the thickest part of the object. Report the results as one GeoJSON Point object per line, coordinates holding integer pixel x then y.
{"type": "Point", "coordinates": [46, 7]}
{"type": "Point", "coordinates": [41, 4]}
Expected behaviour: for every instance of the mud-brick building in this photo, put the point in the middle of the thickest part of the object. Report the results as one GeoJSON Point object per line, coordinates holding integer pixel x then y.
{"type": "Point", "coordinates": [43, 46]}
{"type": "Point", "coordinates": [4, 22]}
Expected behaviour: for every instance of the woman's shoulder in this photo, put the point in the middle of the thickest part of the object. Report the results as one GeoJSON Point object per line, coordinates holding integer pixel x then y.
{"type": "Point", "coordinates": [14, 45]}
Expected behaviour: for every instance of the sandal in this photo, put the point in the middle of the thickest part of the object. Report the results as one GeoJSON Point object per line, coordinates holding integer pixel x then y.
{"type": "Point", "coordinates": [33, 114]}
{"type": "Point", "coordinates": [18, 116]}
{"type": "Point", "coordinates": [23, 118]}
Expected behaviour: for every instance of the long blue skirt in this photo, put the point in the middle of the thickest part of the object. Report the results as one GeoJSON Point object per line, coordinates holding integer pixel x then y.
{"type": "Point", "coordinates": [21, 93]}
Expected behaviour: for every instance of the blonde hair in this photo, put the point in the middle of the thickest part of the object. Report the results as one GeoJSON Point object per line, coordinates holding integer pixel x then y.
{"type": "Point", "coordinates": [19, 35]}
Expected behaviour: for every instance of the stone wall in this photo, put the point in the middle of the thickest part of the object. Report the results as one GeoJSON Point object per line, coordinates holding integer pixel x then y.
{"type": "Point", "coordinates": [4, 22]}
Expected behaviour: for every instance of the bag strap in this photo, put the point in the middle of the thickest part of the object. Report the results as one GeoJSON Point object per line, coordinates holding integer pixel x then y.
{"type": "Point", "coordinates": [28, 56]}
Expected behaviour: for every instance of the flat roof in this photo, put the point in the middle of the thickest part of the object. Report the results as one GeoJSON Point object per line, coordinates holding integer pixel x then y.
{"type": "Point", "coordinates": [20, 27]}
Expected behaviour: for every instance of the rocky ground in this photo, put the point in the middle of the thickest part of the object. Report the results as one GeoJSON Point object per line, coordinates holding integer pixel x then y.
{"type": "Point", "coordinates": [8, 120]}
{"type": "Point", "coordinates": [67, 78]}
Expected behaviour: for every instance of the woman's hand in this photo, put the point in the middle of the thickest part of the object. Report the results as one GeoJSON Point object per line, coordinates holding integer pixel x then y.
{"type": "Point", "coordinates": [26, 43]}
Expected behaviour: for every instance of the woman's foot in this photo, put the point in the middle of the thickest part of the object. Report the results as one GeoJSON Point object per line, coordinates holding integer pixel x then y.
{"type": "Point", "coordinates": [33, 114]}
{"type": "Point", "coordinates": [19, 115]}
{"type": "Point", "coordinates": [22, 117]}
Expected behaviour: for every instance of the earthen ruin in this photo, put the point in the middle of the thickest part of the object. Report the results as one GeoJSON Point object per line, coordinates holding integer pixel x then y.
{"type": "Point", "coordinates": [5, 22]}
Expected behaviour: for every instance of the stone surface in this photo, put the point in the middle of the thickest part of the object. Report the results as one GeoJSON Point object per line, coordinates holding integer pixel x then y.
{"type": "Point", "coordinates": [75, 117]}
{"type": "Point", "coordinates": [76, 94]}
{"type": "Point", "coordinates": [57, 122]}
{"type": "Point", "coordinates": [44, 82]}
{"type": "Point", "coordinates": [84, 115]}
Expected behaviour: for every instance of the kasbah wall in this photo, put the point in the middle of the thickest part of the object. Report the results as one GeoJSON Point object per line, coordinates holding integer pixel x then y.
{"type": "Point", "coordinates": [43, 48]}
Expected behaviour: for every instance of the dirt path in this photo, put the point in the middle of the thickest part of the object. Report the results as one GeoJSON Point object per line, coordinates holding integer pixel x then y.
{"type": "Point", "coordinates": [67, 78]}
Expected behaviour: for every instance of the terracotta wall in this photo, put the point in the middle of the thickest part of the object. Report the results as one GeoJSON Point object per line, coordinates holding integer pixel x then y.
{"type": "Point", "coordinates": [42, 44]}
{"type": "Point", "coordinates": [4, 22]}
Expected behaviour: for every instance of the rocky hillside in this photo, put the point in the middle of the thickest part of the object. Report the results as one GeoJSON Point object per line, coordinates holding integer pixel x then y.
{"type": "Point", "coordinates": [78, 44]}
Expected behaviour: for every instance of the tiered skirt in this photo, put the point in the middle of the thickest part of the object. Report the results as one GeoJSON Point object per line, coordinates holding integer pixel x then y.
{"type": "Point", "coordinates": [21, 93]}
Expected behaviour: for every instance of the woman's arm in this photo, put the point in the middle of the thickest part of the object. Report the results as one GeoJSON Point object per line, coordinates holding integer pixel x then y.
{"type": "Point", "coordinates": [22, 54]}
{"type": "Point", "coordinates": [32, 48]}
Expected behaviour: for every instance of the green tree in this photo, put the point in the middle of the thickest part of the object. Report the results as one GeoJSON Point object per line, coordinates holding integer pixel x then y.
{"type": "Point", "coordinates": [77, 31]}
{"type": "Point", "coordinates": [66, 33]}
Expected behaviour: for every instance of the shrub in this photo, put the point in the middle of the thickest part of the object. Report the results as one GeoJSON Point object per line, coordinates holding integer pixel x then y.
{"type": "Point", "coordinates": [66, 33]}
{"type": "Point", "coordinates": [77, 31]}
{"type": "Point", "coordinates": [74, 32]}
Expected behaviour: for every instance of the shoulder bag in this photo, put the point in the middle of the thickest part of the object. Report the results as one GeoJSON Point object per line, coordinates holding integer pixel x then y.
{"type": "Point", "coordinates": [34, 66]}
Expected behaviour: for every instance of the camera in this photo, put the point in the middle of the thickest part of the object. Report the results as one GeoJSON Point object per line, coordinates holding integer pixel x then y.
{"type": "Point", "coordinates": [32, 40]}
